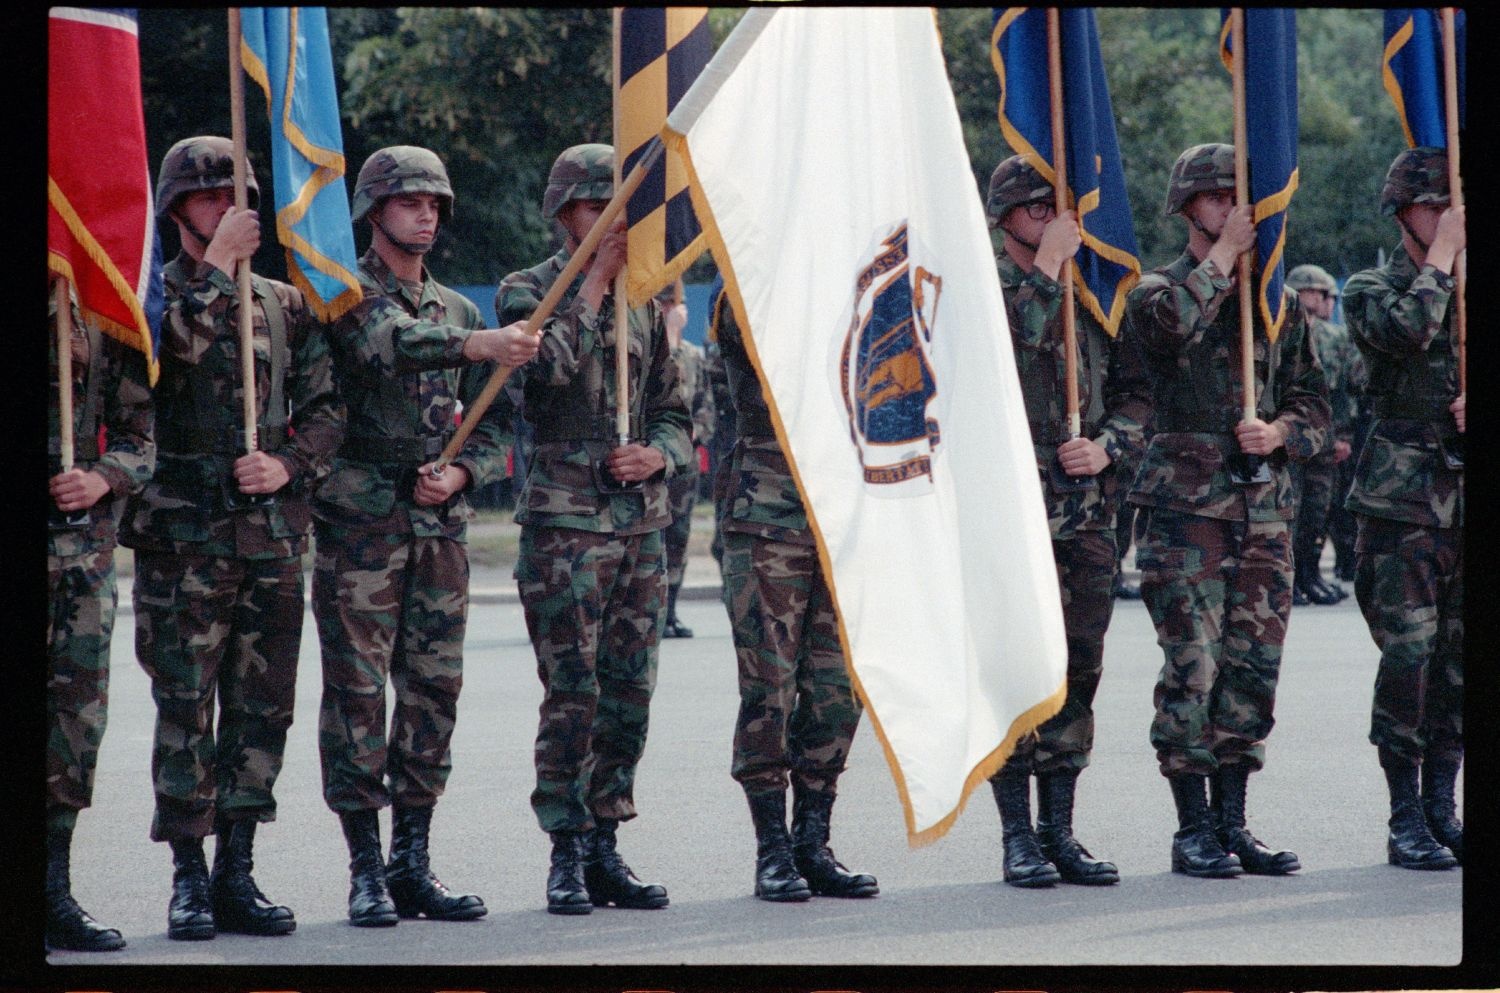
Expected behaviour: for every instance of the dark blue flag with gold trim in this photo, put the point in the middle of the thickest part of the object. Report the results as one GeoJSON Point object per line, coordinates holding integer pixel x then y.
{"type": "Point", "coordinates": [1271, 131]}
{"type": "Point", "coordinates": [1412, 68]}
{"type": "Point", "coordinates": [1108, 264]}
{"type": "Point", "coordinates": [660, 51]}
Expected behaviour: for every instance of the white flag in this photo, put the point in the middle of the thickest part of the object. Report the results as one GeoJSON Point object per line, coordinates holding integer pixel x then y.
{"type": "Point", "coordinates": [829, 170]}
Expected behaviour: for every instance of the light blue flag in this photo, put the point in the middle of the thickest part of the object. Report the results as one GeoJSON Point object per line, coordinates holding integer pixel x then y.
{"type": "Point", "coordinates": [286, 51]}
{"type": "Point", "coordinates": [1108, 262]}
{"type": "Point", "coordinates": [1412, 67]}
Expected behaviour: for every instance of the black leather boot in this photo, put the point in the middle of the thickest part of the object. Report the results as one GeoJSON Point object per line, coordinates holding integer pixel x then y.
{"type": "Point", "coordinates": [69, 928]}
{"type": "Point", "coordinates": [776, 875]}
{"type": "Point", "coordinates": [369, 898]}
{"type": "Point", "coordinates": [609, 880]}
{"type": "Point", "coordinates": [826, 876]}
{"type": "Point", "coordinates": [674, 628]}
{"type": "Point", "coordinates": [1439, 779]}
{"type": "Point", "coordinates": [1195, 849]}
{"type": "Point", "coordinates": [414, 890]}
{"type": "Point", "coordinates": [1054, 832]}
{"type": "Point", "coordinates": [190, 915]}
{"type": "Point", "coordinates": [1227, 791]}
{"type": "Point", "coordinates": [1305, 582]}
{"type": "Point", "coordinates": [566, 893]}
{"type": "Point", "coordinates": [1410, 843]}
{"type": "Point", "coordinates": [1024, 864]}
{"type": "Point", "coordinates": [239, 905]}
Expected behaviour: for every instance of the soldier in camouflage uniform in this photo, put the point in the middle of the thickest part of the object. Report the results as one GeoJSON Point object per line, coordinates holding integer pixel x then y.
{"type": "Point", "coordinates": [798, 712]}
{"type": "Point", "coordinates": [1316, 479]}
{"type": "Point", "coordinates": [721, 441]}
{"type": "Point", "coordinates": [1216, 556]}
{"type": "Point", "coordinates": [682, 489]}
{"type": "Point", "coordinates": [390, 584]}
{"type": "Point", "coordinates": [219, 536]}
{"type": "Point", "coordinates": [1408, 498]}
{"type": "Point", "coordinates": [109, 388]}
{"type": "Point", "coordinates": [1113, 403]}
{"type": "Point", "coordinates": [591, 568]}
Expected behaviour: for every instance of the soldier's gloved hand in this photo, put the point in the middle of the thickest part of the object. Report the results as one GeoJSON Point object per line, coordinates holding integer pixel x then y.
{"type": "Point", "coordinates": [259, 472]}
{"type": "Point", "coordinates": [431, 490]}
{"type": "Point", "coordinates": [1082, 457]}
{"type": "Point", "coordinates": [1060, 240]}
{"type": "Point", "coordinates": [1256, 437]}
{"type": "Point", "coordinates": [1456, 408]}
{"type": "Point", "coordinates": [635, 463]}
{"type": "Point", "coordinates": [77, 489]}
{"type": "Point", "coordinates": [237, 237]}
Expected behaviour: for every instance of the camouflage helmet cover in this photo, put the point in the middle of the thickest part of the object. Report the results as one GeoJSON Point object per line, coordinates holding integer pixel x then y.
{"type": "Point", "coordinates": [402, 169]}
{"type": "Point", "coordinates": [1200, 169]}
{"type": "Point", "coordinates": [1418, 175]}
{"type": "Point", "coordinates": [583, 172]}
{"type": "Point", "coordinates": [1014, 183]}
{"type": "Point", "coordinates": [1312, 277]}
{"type": "Point", "coordinates": [204, 162]}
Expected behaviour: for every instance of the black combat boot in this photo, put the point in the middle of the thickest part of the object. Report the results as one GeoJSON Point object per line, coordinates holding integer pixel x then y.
{"type": "Point", "coordinates": [673, 627]}
{"type": "Point", "coordinates": [1439, 777]}
{"type": "Point", "coordinates": [1054, 832]}
{"type": "Point", "coordinates": [1195, 849]}
{"type": "Point", "coordinates": [369, 898]}
{"type": "Point", "coordinates": [609, 880]}
{"type": "Point", "coordinates": [825, 875]}
{"type": "Point", "coordinates": [566, 892]}
{"type": "Point", "coordinates": [69, 928]}
{"type": "Point", "coordinates": [414, 890]}
{"type": "Point", "coordinates": [1227, 791]}
{"type": "Point", "coordinates": [1124, 589]}
{"type": "Point", "coordinates": [776, 876]}
{"type": "Point", "coordinates": [239, 905]}
{"type": "Point", "coordinates": [1024, 864]}
{"type": "Point", "coordinates": [190, 915]}
{"type": "Point", "coordinates": [1410, 843]}
{"type": "Point", "coordinates": [1305, 586]}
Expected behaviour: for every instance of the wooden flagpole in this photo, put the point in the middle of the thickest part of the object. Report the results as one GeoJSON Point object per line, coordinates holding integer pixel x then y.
{"type": "Point", "coordinates": [242, 202]}
{"type": "Point", "coordinates": [64, 371]}
{"type": "Point", "coordinates": [622, 278]}
{"type": "Point", "coordinates": [1060, 193]}
{"type": "Point", "coordinates": [1242, 195]}
{"type": "Point", "coordinates": [1455, 190]}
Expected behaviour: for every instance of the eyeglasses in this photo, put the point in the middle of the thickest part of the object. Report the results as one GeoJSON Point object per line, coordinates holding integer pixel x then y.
{"type": "Point", "coordinates": [1040, 210]}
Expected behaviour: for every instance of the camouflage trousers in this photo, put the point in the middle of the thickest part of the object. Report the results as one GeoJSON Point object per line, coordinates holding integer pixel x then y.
{"type": "Point", "coordinates": [798, 712]}
{"type": "Point", "coordinates": [1342, 526]}
{"type": "Point", "coordinates": [388, 606]}
{"type": "Point", "coordinates": [594, 610]}
{"type": "Point", "coordinates": [1409, 581]}
{"type": "Point", "coordinates": [1085, 574]}
{"type": "Point", "coordinates": [1313, 482]}
{"type": "Point", "coordinates": [1219, 593]}
{"type": "Point", "coordinates": [81, 599]}
{"type": "Point", "coordinates": [682, 491]}
{"type": "Point", "coordinates": [208, 626]}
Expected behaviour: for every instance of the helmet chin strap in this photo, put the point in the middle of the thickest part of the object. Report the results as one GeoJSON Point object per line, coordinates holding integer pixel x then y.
{"type": "Point", "coordinates": [191, 229]}
{"type": "Point", "coordinates": [1032, 247]}
{"type": "Point", "coordinates": [1426, 246]}
{"type": "Point", "coordinates": [409, 247]}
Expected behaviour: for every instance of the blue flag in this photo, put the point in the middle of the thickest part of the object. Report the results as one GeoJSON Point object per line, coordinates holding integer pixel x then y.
{"type": "Point", "coordinates": [286, 51]}
{"type": "Point", "coordinates": [1108, 264]}
{"type": "Point", "coordinates": [1413, 71]}
{"type": "Point", "coordinates": [1271, 130]}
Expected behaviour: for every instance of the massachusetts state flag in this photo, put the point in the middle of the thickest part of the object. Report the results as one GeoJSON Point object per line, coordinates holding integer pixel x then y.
{"type": "Point", "coordinates": [659, 51]}
{"type": "Point", "coordinates": [828, 168]}
{"type": "Point", "coordinates": [1108, 264]}
{"type": "Point", "coordinates": [101, 227]}
{"type": "Point", "coordinates": [286, 51]}
{"type": "Point", "coordinates": [1271, 128]}
{"type": "Point", "coordinates": [1412, 67]}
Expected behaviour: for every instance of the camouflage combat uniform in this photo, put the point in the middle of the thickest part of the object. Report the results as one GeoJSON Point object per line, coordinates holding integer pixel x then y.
{"type": "Point", "coordinates": [390, 584]}
{"type": "Point", "coordinates": [721, 441]}
{"type": "Point", "coordinates": [218, 592]}
{"type": "Point", "coordinates": [109, 388]}
{"type": "Point", "coordinates": [1344, 371]}
{"type": "Point", "coordinates": [682, 489]}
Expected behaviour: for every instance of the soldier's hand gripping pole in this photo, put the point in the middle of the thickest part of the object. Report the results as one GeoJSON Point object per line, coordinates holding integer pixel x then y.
{"type": "Point", "coordinates": [57, 518]}
{"type": "Point", "coordinates": [554, 296]}
{"type": "Point", "coordinates": [1244, 468]}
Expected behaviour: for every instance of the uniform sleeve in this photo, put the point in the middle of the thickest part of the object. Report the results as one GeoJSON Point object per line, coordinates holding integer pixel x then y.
{"type": "Point", "coordinates": [564, 333]}
{"type": "Point", "coordinates": [1302, 404]}
{"type": "Point", "coordinates": [318, 415]}
{"type": "Point", "coordinates": [129, 457]}
{"type": "Point", "coordinates": [484, 452]}
{"type": "Point", "coordinates": [1032, 307]}
{"type": "Point", "coordinates": [1127, 399]}
{"type": "Point", "coordinates": [1383, 319]}
{"type": "Point", "coordinates": [193, 317]}
{"type": "Point", "coordinates": [1169, 315]}
{"type": "Point", "coordinates": [703, 412]}
{"type": "Point", "coordinates": [668, 426]}
{"type": "Point", "coordinates": [382, 338]}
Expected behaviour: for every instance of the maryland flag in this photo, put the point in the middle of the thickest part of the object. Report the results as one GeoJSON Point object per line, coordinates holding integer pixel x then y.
{"type": "Point", "coordinates": [1271, 127]}
{"type": "Point", "coordinates": [1108, 264]}
{"type": "Point", "coordinates": [286, 51]}
{"type": "Point", "coordinates": [1412, 68]}
{"type": "Point", "coordinates": [659, 52]}
{"type": "Point", "coordinates": [101, 226]}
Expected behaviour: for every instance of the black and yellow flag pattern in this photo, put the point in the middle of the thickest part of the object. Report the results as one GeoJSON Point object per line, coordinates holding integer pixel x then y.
{"type": "Point", "coordinates": [659, 52]}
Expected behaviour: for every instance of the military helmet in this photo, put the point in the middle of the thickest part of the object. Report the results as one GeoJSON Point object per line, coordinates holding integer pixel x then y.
{"type": "Point", "coordinates": [402, 169]}
{"type": "Point", "coordinates": [1418, 175]}
{"type": "Point", "coordinates": [1312, 277]}
{"type": "Point", "coordinates": [1014, 183]}
{"type": "Point", "coordinates": [583, 172]}
{"type": "Point", "coordinates": [205, 162]}
{"type": "Point", "coordinates": [1200, 169]}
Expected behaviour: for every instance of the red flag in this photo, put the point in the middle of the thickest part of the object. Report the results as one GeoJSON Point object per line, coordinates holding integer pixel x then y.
{"type": "Point", "coordinates": [101, 225]}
